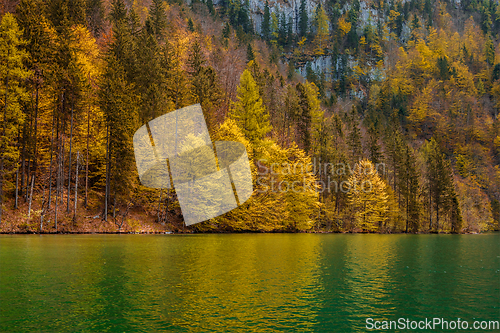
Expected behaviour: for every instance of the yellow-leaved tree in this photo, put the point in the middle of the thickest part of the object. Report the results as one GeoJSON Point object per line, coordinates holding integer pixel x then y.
{"type": "Point", "coordinates": [368, 197]}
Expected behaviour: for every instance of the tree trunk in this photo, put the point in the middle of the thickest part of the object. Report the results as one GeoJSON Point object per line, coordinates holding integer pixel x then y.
{"type": "Point", "coordinates": [76, 184]}
{"type": "Point", "coordinates": [35, 150]}
{"type": "Point", "coordinates": [17, 188]}
{"type": "Point", "coordinates": [23, 164]}
{"type": "Point", "coordinates": [87, 159]}
{"type": "Point", "coordinates": [61, 171]}
{"type": "Point", "coordinates": [114, 201]}
{"type": "Point", "coordinates": [28, 174]}
{"type": "Point", "coordinates": [159, 206]}
{"type": "Point", "coordinates": [107, 176]}
{"type": "Point", "coordinates": [430, 210]}
{"type": "Point", "coordinates": [69, 161]}
{"type": "Point", "coordinates": [2, 142]}
{"type": "Point", "coordinates": [31, 195]}
{"type": "Point", "coordinates": [51, 156]}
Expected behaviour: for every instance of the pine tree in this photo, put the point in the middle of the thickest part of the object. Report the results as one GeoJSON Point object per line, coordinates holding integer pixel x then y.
{"type": "Point", "coordinates": [410, 190]}
{"type": "Point", "coordinates": [66, 13]}
{"type": "Point", "coordinates": [119, 105]}
{"type": "Point", "coordinates": [303, 117]}
{"type": "Point", "coordinates": [250, 53]}
{"type": "Point", "coordinates": [290, 37]}
{"type": "Point", "coordinates": [190, 25]}
{"type": "Point", "coordinates": [210, 6]}
{"type": "Point", "coordinates": [118, 12]}
{"type": "Point", "coordinates": [374, 149]}
{"type": "Point", "coordinates": [265, 30]}
{"type": "Point", "coordinates": [303, 19]}
{"type": "Point", "coordinates": [354, 137]}
{"type": "Point", "coordinates": [95, 16]}
{"type": "Point", "coordinates": [158, 19]}
{"type": "Point", "coordinates": [248, 111]}
{"type": "Point", "coordinates": [204, 81]}
{"type": "Point", "coordinates": [148, 78]}
{"type": "Point", "coordinates": [441, 187]}
{"type": "Point", "coordinates": [12, 92]}
{"type": "Point", "coordinates": [490, 51]}
{"type": "Point", "coordinates": [176, 80]}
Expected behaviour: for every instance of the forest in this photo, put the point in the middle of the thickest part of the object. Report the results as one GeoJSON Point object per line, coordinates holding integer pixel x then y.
{"type": "Point", "coordinates": [406, 99]}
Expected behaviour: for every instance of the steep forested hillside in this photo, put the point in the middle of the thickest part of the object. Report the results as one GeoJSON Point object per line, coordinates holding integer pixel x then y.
{"type": "Point", "coordinates": [374, 116]}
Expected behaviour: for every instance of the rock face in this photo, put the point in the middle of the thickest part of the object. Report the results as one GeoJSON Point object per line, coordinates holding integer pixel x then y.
{"type": "Point", "coordinates": [288, 7]}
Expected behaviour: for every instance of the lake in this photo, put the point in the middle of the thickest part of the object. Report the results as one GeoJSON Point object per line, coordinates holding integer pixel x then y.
{"type": "Point", "coordinates": [243, 282]}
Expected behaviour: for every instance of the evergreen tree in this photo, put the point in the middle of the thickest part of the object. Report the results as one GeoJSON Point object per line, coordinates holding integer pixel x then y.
{"type": "Point", "coordinates": [95, 16]}
{"type": "Point", "coordinates": [119, 105]}
{"type": "Point", "coordinates": [374, 149]}
{"type": "Point", "coordinates": [282, 30]}
{"type": "Point", "coordinates": [410, 190]}
{"type": "Point", "coordinates": [290, 37]}
{"type": "Point", "coordinates": [303, 19]}
{"type": "Point", "coordinates": [210, 6]}
{"type": "Point", "coordinates": [266, 21]}
{"type": "Point", "coordinates": [250, 53]}
{"type": "Point", "coordinates": [148, 77]}
{"type": "Point", "coordinates": [490, 51]}
{"type": "Point", "coordinates": [190, 25]}
{"type": "Point", "coordinates": [248, 111]}
{"type": "Point", "coordinates": [354, 137]}
{"type": "Point", "coordinates": [118, 12]}
{"type": "Point", "coordinates": [441, 188]}
{"type": "Point", "coordinates": [12, 92]}
{"type": "Point", "coordinates": [176, 80]}
{"type": "Point", "coordinates": [66, 13]}
{"type": "Point", "coordinates": [158, 19]}
{"type": "Point", "coordinates": [204, 81]}
{"type": "Point", "coordinates": [304, 117]}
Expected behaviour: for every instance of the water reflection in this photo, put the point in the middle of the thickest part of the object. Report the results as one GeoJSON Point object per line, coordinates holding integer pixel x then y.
{"type": "Point", "coordinates": [261, 283]}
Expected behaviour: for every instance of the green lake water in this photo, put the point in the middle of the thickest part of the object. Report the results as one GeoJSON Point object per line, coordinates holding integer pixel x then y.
{"type": "Point", "coordinates": [243, 282]}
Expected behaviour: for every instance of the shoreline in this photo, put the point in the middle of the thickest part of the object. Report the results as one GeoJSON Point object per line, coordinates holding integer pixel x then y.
{"type": "Point", "coordinates": [235, 233]}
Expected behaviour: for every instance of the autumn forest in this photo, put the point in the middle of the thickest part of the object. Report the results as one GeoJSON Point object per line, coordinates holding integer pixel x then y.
{"type": "Point", "coordinates": [326, 95]}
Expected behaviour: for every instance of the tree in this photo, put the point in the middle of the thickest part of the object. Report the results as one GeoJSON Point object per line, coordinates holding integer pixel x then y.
{"type": "Point", "coordinates": [248, 111]}
{"type": "Point", "coordinates": [204, 81]}
{"type": "Point", "coordinates": [210, 6]}
{"type": "Point", "coordinates": [12, 92]}
{"type": "Point", "coordinates": [265, 30]}
{"type": "Point", "coordinates": [368, 197]}
{"type": "Point", "coordinates": [374, 149]}
{"type": "Point", "coordinates": [274, 28]}
{"type": "Point", "coordinates": [190, 25]}
{"type": "Point", "coordinates": [157, 19]}
{"type": "Point", "coordinates": [410, 190]}
{"type": "Point", "coordinates": [95, 16]}
{"type": "Point", "coordinates": [354, 137]}
{"type": "Point", "coordinates": [441, 187]}
{"type": "Point", "coordinates": [308, 108]}
{"type": "Point", "coordinates": [176, 80]}
{"type": "Point", "coordinates": [490, 51]}
{"type": "Point", "coordinates": [321, 24]}
{"type": "Point", "coordinates": [303, 19]}
{"type": "Point", "coordinates": [119, 105]}
{"type": "Point", "coordinates": [66, 13]}
{"type": "Point", "coordinates": [250, 53]}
